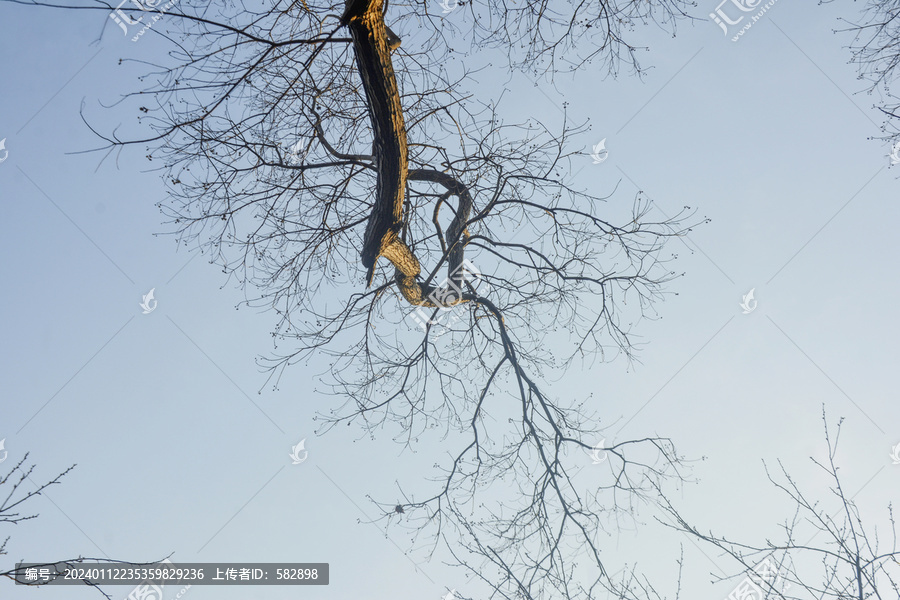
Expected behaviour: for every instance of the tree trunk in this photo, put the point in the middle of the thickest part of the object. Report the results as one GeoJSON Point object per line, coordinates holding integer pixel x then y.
{"type": "Point", "coordinates": [372, 46]}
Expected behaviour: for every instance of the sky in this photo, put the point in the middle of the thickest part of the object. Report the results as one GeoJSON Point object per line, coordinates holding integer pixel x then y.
{"type": "Point", "coordinates": [182, 448]}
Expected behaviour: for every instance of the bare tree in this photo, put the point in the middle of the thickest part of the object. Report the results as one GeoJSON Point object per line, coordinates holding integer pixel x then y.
{"type": "Point", "coordinates": [304, 142]}
{"type": "Point", "coordinates": [16, 496]}
{"type": "Point", "coordinates": [848, 563]}
{"type": "Point", "coordinates": [875, 50]}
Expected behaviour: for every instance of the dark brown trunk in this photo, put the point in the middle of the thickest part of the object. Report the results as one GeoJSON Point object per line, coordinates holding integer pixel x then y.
{"type": "Point", "coordinates": [373, 42]}
{"type": "Point", "coordinates": [365, 20]}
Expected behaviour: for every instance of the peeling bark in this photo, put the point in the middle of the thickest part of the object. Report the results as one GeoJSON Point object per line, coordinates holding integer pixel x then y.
{"type": "Point", "coordinates": [365, 19]}
{"type": "Point", "coordinates": [373, 43]}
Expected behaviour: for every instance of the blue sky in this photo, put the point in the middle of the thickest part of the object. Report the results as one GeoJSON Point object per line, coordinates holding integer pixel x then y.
{"type": "Point", "coordinates": [182, 448]}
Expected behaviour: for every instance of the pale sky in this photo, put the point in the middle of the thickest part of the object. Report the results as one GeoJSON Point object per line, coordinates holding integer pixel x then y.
{"type": "Point", "coordinates": [178, 453]}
